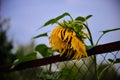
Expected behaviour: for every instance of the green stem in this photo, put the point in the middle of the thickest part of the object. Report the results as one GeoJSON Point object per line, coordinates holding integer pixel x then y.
{"type": "Point", "coordinates": [99, 76]}
{"type": "Point", "coordinates": [96, 67]}
{"type": "Point", "coordinates": [91, 41]}
{"type": "Point", "coordinates": [99, 39]}
{"type": "Point", "coordinates": [50, 68]}
{"type": "Point", "coordinates": [71, 18]}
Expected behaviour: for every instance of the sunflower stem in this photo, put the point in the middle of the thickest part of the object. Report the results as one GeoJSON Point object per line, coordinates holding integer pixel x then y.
{"type": "Point", "coordinates": [107, 67]}
{"type": "Point", "coordinates": [71, 18]}
{"type": "Point", "coordinates": [94, 57]}
{"type": "Point", "coordinates": [91, 39]}
{"type": "Point", "coordinates": [99, 39]}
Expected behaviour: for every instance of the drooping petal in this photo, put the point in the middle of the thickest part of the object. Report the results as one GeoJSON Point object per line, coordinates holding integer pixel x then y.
{"type": "Point", "coordinates": [79, 47]}
{"type": "Point", "coordinates": [57, 42]}
{"type": "Point", "coordinates": [66, 42]}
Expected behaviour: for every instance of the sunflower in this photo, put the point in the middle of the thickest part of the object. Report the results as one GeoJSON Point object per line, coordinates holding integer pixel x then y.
{"type": "Point", "coordinates": [68, 38]}
{"type": "Point", "coordinates": [67, 42]}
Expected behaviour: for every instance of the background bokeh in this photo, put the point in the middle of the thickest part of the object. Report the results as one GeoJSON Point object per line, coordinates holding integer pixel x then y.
{"type": "Point", "coordinates": [28, 15]}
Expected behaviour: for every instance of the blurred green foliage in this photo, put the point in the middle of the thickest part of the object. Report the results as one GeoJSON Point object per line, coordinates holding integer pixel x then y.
{"type": "Point", "coordinates": [6, 55]}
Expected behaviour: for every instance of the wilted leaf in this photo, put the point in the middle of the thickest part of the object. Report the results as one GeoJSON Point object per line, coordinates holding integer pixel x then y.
{"type": "Point", "coordinates": [43, 50]}
{"type": "Point", "coordinates": [110, 30]}
{"type": "Point", "coordinates": [41, 35]}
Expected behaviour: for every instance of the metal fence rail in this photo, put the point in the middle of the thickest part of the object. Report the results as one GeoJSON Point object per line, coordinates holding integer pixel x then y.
{"type": "Point", "coordinates": [59, 68]}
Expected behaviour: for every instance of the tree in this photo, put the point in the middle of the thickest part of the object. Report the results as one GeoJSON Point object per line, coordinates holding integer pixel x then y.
{"type": "Point", "coordinates": [6, 46]}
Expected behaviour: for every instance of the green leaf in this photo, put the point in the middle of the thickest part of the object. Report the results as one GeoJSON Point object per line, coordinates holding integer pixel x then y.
{"type": "Point", "coordinates": [63, 15]}
{"type": "Point", "coordinates": [110, 30]}
{"type": "Point", "coordinates": [111, 60]}
{"type": "Point", "coordinates": [83, 19]}
{"type": "Point", "coordinates": [80, 18]}
{"type": "Point", "coordinates": [106, 31]}
{"type": "Point", "coordinates": [114, 61]}
{"type": "Point", "coordinates": [40, 35]}
{"type": "Point", "coordinates": [43, 50]}
{"type": "Point", "coordinates": [54, 20]}
{"type": "Point", "coordinates": [89, 16]}
{"type": "Point", "coordinates": [51, 21]}
{"type": "Point", "coordinates": [117, 60]}
{"type": "Point", "coordinates": [29, 57]}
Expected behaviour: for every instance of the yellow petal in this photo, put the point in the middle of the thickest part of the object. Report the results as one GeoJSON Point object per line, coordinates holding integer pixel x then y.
{"type": "Point", "coordinates": [66, 42]}
{"type": "Point", "coordinates": [79, 47]}
{"type": "Point", "coordinates": [56, 41]}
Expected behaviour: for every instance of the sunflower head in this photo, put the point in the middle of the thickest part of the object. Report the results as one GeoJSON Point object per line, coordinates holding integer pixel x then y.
{"type": "Point", "coordinates": [69, 36]}
{"type": "Point", "coordinates": [67, 42]}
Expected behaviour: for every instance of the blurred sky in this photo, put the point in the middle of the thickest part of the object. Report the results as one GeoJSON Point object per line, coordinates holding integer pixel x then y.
{"type": "Point", "coordinates": [28, 15]}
